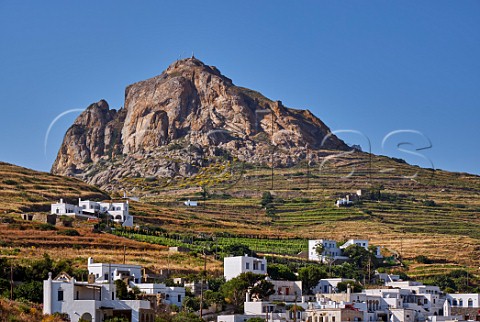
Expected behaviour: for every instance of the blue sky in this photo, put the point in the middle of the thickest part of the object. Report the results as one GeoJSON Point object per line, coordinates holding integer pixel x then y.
{"type": "Point", "coordinates": [370, 66]}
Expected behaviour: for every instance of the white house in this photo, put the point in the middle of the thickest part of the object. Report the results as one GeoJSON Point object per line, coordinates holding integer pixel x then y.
{"type": "Point", "coordinates": [62, 208]}
{"type": "Point", "coordinates": [329, 285]}
{"type": "Point", "coordinates": [191, 203]}
{"type": "Point", "coordinates": [268, 310]}
{"type": "Point", "coordinates": [236, 265]}
{"type": "Point", "coordinates": [333, 252]}
{"type": "Point", "coordinates": [101, 271]}
{"type": "Point", "coordinates": [362, 243]}
{"type": "Point", "coordinates": [464, 300]}
{"type": "Point", "coordinates": [330, 250]}
{"type": "Point", "coordinates": [118, 211]}
{"type": "Point", "coordinates": [286, 291]}
{"type": "Point", "coordinates": [90, 301]}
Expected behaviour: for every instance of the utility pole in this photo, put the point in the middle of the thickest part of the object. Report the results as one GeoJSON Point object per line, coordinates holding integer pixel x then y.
{"type": "Point", "coordinates": [295, 309]}
{"type": "Point", "coordinates": [272, 147]}
{"type": "Point", "coordinates": [308, 168]}
{"type": "Point", "coordinates": [202, 283]}
{"type": "Point", "coordinates": [11, 281]}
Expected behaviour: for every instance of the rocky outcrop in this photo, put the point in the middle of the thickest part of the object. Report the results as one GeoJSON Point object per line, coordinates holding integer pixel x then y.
{"type": "Point", "coordinates": [189, 107]}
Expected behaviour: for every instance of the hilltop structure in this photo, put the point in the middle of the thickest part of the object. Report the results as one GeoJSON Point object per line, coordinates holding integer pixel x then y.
{"type": "Point", "coordinates": [117, 211]}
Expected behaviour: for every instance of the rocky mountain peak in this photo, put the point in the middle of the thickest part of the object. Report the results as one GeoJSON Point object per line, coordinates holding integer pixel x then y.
{"type": "Point", "coordinates": [189, 104]}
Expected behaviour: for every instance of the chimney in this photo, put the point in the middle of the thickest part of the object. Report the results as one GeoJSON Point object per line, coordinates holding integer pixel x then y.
{"type": "Point", "coordinates": [61, 200]}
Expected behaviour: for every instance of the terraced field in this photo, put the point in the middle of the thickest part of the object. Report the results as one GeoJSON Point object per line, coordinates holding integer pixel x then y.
{"type": "Point", "coordinates": [419, 212]}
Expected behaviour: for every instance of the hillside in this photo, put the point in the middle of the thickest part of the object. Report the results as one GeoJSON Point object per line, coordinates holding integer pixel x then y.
{"type": "Point", "coordinates": [25, 190]}
{"type": "Point", "coordinates": [436, 214]}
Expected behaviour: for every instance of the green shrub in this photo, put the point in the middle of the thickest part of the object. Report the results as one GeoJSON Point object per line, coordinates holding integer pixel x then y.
{"type": "Point", "coordinates": [69, 232]}
{"type": "Point", "coordinates": [46, 227]}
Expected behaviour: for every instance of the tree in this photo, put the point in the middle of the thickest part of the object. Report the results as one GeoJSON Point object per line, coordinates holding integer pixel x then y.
{"type": "Point", "coordinates": [234, 290]}
{"type": "Point", "coordinates": [319, 249]}
{"type": "Point", "coordinates": [121, 289]}
{"type": "Point", "coordinates": [354, 286]}
{"type": "Point", "coordinates": [267, 199]}
{"type": "Point", "coordinates": [215, 283]}
{"type": "Point", "coordinates": [186, 317]}
{"type": "Point", "coordinates": [213, 298]}
{"type": "Point", "coordinates": [31, 291]}
{"type": "Point", "coordinates": [262, 290]}
{"type": "Point", "coordinates": [280, 272]}
{"type": "Point", "coordinates": [238, 250]}
{"type": "Point", "coordinates": [191, 304]}
{"type": "Point", "coordinates": [310, 276]}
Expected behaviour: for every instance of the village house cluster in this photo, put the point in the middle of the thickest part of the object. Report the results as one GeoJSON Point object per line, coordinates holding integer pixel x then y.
{"type": "Point", "coordinates": [394, 300]}
{"type": "Point", "coordinates": [97, 299]}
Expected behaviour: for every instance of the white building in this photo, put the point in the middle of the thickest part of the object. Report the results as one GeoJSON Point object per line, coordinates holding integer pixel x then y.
{"type": "Point", "coordinates": [361, 243]}
{"type": "Point", "coordinates": [236, 265]}
{"type": "Point", "coordinates": [118, 211]}
{"type": "Point", "coordinates": [191, 203]}
{"type": "Point", "coordinates": [286, 291]}
{"type": "Point", "coordinates": [329, 285]}
{"type": "Point", "coordinates": [97, 299]}
{"type": "Point", "coordinates": [464, 300]}
{"type": "Point", "coordinates": [268, 310]}
{"type": "Point", "coordinates": [90, 301]}
{"type": "Point", "coordinates": [330, 250]}
{"type": "Point", "coordinates": [62, 208]}
{"type": "Point", "coordinates": [333, 252]}
{"type": "Point", "coordinates": [101, 271]}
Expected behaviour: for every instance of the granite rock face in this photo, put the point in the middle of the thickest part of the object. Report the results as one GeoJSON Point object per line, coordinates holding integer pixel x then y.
{"type": "Point", "coordinates": [173, 122]}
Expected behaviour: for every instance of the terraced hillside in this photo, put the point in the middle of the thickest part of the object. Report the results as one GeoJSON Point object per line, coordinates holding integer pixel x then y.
{"type": "Point", "coordinates": [417, 211]}
{"type": "Point", "coordinates": [25, 190]}
{"type": "Point", "coordinates": [433, 213]}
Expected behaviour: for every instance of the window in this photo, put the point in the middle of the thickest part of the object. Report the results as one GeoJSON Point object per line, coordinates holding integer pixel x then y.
{"type": "Point", "coordinates": [179, 298]}
{"type": "Point", "coordinates": [425, 301]}
{"type": "Point", "coordinates": [60, 295]}
{"type": "Point", "coordinates": [470, 303]}
{"type": "Point", "coordinates": [106, 277]}
{"type": "Point", "coordinates": [263, 267]}
{"type": "Point", "coordinates": [247, 265]}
